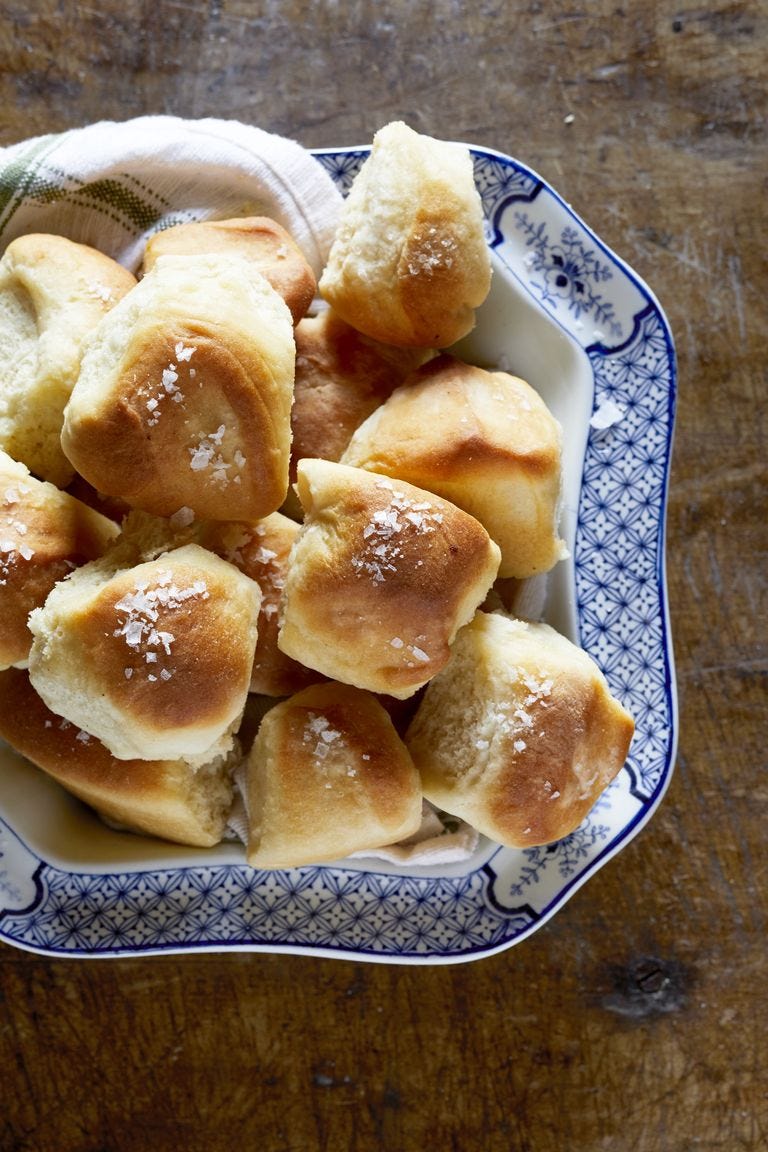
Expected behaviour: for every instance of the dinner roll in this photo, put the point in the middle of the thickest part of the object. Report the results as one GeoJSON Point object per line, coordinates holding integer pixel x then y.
{"type": "Point", "coordinates": [409, 264]}
{"type": "Point", "coordinates": [328, 775]}
{"type": "Point", "coordinates": [53, 293]}
{"type": "Point", "coordinates": [154, 660]}
{"type": "Point", "coordinates": [262, 551]}
{"type": "Point", "coordinates": [184, 395]}
{"type": "Point", "coordinates": [381, 577]}
{"type": "Point", "coordinates": [166, 798]}
{"type": "Point", "coordinates": [484, 440]}
{"type": "Point", "coordinates": [44, 534]}
{"type": "Point", "coordinates": [519, 734]}
{"type": "Point", "coordinates": [262, 241]}
{"type": "Point", "coordinates": [341, 377]}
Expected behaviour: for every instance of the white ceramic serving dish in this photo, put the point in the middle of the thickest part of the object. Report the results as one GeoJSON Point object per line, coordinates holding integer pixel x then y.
{"type": "Point", "coordinates": [569, 316]}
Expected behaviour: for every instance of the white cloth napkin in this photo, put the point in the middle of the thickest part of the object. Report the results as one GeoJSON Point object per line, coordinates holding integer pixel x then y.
{"type": "Point", "coordinates": [113, 184]}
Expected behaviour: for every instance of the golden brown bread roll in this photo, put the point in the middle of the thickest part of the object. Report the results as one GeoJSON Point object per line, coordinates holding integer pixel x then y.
{"type": "Point", "coordinates": [409, 264]}
{"type": "Point", "coordinates": [262, 551]}
{"type": "Point", "coordinates": [328, 775]}
{"type": "Point", "coordinates": [166, 798]}
{"type": "Point", "coordinates": [154, 660]}
{"type": "Point", "coordinates": [381, 578]}
{"type": "Point", "coordinates": [484, 440]}
{"type": "Point", "coordinates": [184, 395]}
{"type": "Point", "coordinates": [341, 377]}
{"type": "Point", "coordinates": [519, 734]}
{"type": "Point", "coordinates": [53, 293]}
{"type": "Point", "coordinates": [44, 535]}
{"type": "Point", "coordinates": [262, 241]}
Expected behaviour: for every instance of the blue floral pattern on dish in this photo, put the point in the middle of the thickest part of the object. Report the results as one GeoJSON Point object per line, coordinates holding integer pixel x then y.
{"type": "Point", "coordinates": [568, 271]}
{"type": "Point", "coordinates": [622, 616]}
{"type": "Point", "coordinates": [567, 855]}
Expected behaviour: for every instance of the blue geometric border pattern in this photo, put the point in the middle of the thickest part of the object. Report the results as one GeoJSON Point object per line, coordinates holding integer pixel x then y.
{"type": "Point", "coordinates": [228, 905]}
{"type": "Point", "coordinates": [343, 166]}
{"type": "Point", "coordinates": [622, 616]}
{"type": "Point", "coordinates": [619, 552]}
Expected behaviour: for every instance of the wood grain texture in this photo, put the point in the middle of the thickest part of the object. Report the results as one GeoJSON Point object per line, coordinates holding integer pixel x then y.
{"type": "Point", "coordinates": [635, 1019]}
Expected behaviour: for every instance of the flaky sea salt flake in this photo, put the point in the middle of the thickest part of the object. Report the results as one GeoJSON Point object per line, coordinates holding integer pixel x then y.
{"type": "Point", "coordinates": [182, 518]}
{"type": "Point", "coordinates": [606, 415]}
{"type": "Point", "coordinates": [169, 378]}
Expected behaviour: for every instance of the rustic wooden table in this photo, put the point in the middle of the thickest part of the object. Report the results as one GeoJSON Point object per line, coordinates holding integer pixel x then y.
{"type": "Point", "coordinates": [636, 1019]}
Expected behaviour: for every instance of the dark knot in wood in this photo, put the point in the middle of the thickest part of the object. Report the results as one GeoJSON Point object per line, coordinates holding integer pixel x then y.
{"type": "Point", "coordinates": [647, 987]}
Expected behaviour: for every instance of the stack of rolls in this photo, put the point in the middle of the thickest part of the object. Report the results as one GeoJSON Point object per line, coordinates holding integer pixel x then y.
{"type": "Point", "coordinates": [320, 517]}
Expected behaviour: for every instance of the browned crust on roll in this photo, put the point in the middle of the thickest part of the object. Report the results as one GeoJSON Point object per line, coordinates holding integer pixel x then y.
{"type": "Point", "coordinates": [185, 391]}
{"type": "Point", "coordinates": [154, 660]}
{"type": "Point", "coordinates": [144, 457]}
{"type": "Point", "coordinates": [197, 690]}
{"type": "Point", "coordinates": [158, 797]}
{"type": "Point", "coordinates": [328, 775]}
{"type": "Point", "coordinates": [261, 241]}
{"type": "Point", "coordinates": [541, 795]}
{"type": "Point", "coordinates": [44, 535]}
{"type": "Point", "coordinates": [440, 279]}
{"type": "Point", "coordinates": [520, 734]}
{"type": "Point", "coordinates": [461, 444]}
{"type": "Point", "coordinates": [484, 440]}
{"type": "Point", "coordinates": [207, 660]}
{"type": "Point", "coordinates": [382, 576]}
